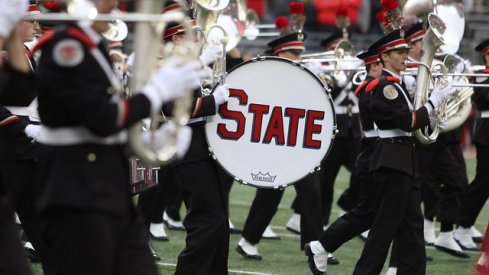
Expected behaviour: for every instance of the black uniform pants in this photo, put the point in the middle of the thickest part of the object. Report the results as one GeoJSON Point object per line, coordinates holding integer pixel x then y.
{"type": "Point", "coordinates": [266, 202]}
{"type": "Point", "coordinates": [12, 256]}
{"type": "Point", "coordinates": [343, 153]}
{"type": "Point", "coordinates": [153, 202]}
{"type": "Point", "coordinates": [478, 191]}
{"type": "Point", "coordinates": [18, 178]}
{"type": "Point", "coordinates": [443, 180]}
{"type": "Point", "coordinates": [397, 215]}
{"type": "Point", "coordinates": [356, 220]}
{"type": "Point", "coordinates": [91, 242]}
{"type": "Point", "coordinates": [206, 222]}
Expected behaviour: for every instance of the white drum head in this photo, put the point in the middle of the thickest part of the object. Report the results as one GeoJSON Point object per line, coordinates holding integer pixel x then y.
{"type": "Point", "coordinates": [277, 126]}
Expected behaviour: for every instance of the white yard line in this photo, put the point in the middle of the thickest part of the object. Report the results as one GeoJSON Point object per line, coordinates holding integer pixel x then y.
{"type": "Point", "coordinates": [229, 270]}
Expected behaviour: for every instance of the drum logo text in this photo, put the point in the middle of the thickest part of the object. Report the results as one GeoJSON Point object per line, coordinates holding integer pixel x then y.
{"type": "Point", "coordinates": [263, 177]}
{"type": "Point", "coordinates": [275, 128]}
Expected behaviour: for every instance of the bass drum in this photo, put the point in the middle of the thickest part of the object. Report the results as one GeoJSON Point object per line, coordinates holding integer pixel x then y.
{"type": "Point", "coordinates": [277, 126]}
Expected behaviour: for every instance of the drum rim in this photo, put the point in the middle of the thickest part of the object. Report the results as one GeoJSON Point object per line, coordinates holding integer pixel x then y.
{"type": "Point", "coordinates": [326, 92]}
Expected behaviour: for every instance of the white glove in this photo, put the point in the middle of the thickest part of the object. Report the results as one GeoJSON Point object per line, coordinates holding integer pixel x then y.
{"type": "Point", "coordinates": [167, 133]}
{"type": "Point", "coordinates": [314, 67]}
{"type": "Point", "coordinates": [209, 54]}
{"type": "Point", "coordinates": [340, 79]}
{"type": "Point", "coordinates": [172, 81]}
{"type": "Point", "coordinates": [221, 94]}
{"type": "Point", "coordinates": [440, 94]}
{"type": "Point", "coordinates": [32, 131]}
{"type": "Point", "coordinates": [11, 12]}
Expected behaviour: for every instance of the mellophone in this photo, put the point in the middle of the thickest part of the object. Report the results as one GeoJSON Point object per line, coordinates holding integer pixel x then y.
{"type": "Point", "coordinates": [277, 126]}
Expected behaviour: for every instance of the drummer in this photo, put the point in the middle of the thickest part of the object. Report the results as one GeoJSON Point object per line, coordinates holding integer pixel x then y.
{"type": "Point", "coordinates": [289, 45]}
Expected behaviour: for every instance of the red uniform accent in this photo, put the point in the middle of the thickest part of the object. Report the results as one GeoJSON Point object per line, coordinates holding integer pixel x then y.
{"type": "Point", "coordinates": [80, 35]}
{"type": "Point", "coordinates": [198, 106]}
{"type": "Point", "coordinates": [371, 86]}
{"type": "Point", "coordinates": [359, 88]}
{"type": "Point", "coordinates": [43, 40]}
{"type": "Point", "coordinates": [8, 120]}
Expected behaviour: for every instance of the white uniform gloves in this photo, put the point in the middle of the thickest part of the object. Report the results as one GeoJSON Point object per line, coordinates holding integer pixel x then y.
{"type": "Point", "coordinates": [172, 81]}
{"type": "Point", "coordinates": [314, 67]}
{"type": "Point", "coordinates": [11, 11]}
{"type": "Point", "coordinates": [221, 94]}
{"type": "Point", "coordinates": [168, 133]}
{"type": "Point", "coordinates": [440, 94]}
{"type": "Point", "coordinates": [340, 79]}
{"type": "Point", "coordinates": [209, 54]}
{"type": "Point", "coordinates": [32, 131]}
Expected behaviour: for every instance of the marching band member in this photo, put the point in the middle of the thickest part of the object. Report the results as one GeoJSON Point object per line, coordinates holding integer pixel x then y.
{"type": "Point", "coordinates": [204, 194]}
{"type": "Point", "coordinates": [397, 205]}
{"type": "Point", "coordinates": [441, 167]}
{"type": "Point", "coordinates": [361, 217]}
{"type": "Point", "coordinates": [347, 141]}
{"type": "Point", "coordinates": [16, 75]}
{"type": "Point", "coordinates": [394, 162]}
{"type": "Point", "coordinates": [477, 193]}
{"type": "Point", "coordinates": [89, 222]}
{"type": "Point", "coordinates": [18, 155]}
{"type": "Point", "coordinates": [264, 206]}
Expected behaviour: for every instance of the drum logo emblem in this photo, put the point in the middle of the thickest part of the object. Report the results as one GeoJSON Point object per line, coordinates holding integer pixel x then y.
{"type": "Point", "coordinates": [263, 177]}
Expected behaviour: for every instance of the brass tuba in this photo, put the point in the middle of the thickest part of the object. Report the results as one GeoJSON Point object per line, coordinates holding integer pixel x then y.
{"type": "Point", "coordinates": [439, 35]}
{"type": "Point", "coordinates": [148, 48]}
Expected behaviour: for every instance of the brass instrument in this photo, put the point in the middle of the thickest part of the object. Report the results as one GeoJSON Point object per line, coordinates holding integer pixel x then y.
{"type": "Point", "coordinates": [431, 42]}
{"type": "Point", "coordinates": [455, 110]}
{"type": "Point", "coordinates": [148, 40]}
{"type": "Point", "coordinates": [441, 33]}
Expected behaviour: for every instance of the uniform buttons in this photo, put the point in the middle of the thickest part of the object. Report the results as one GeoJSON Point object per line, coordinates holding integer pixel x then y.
{"type": "Point", "coordinates": [91, 157]}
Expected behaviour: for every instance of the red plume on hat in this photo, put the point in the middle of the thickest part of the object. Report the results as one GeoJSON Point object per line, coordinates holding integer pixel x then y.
{"type": "Point", "coordinates": [282, 24]}
{"type": "Point", "coordinates": [297, 17]}
{"type": "Point", "coordinates": [384, 22]}
{"type": "Point", "coordinates": [342, 18]}
{"type": "Point", "coordinates": [392, 12]}
{"type": "Point", "coordinates": [49, 6]}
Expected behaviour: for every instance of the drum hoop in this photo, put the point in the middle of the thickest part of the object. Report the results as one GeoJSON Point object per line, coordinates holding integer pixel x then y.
{"type": "Point", "coordinates": [325, 90]}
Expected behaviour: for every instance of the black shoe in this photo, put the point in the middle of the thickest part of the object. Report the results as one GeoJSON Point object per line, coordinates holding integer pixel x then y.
{"type": "Point", "coordinates": [235, 230]}
{"type": "Point", "coordinates": [310, 260]}
{"type": "Point", "coordinates": [153, 252]}
{"type": "Point", "coordinates": [246, 255]}
{"type": "Point", "coordinates": [332, 260]}
{"type": "Point", "coordinates": [158, 238]}
{"type": "Point", "coordinates": [429, 258]}
{"type": "Point", "coordinates": [293, 230]}
{"type": "Point", "coordinates": [458, 254]}
{"type": "Point", "coordinates": [478, 239]}
{"type": "Point", "coordinates": [32, 255]}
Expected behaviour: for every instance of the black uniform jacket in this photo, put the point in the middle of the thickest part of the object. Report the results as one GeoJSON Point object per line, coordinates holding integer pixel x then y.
{"type": "Point", "coordinates": [368, 143]}
{"type": "Point", "coordinates": [16, 89]}
{"type": "Point", "coordinates": [202, 106]}
{"type": "Point", "coordinates": [391, 109]}
{"type": "Point", "coordinates": [75, 92]}
{"type": "Point", "coordinates": [481, 99]}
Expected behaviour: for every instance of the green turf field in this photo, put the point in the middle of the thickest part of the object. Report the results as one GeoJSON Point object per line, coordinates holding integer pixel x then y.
{"type": "Point", "coordinates": [285, 257]}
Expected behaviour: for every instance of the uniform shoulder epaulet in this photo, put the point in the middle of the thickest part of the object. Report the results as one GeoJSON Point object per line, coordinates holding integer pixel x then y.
{"type": "Point", "coordinates": [371, 86]}
{"type": "Point", "coordinates": [47, 36]}
{"type": "Point", "coordinates": [359, 88]}
{"type": "Point", "coordinates": [393, 79]}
